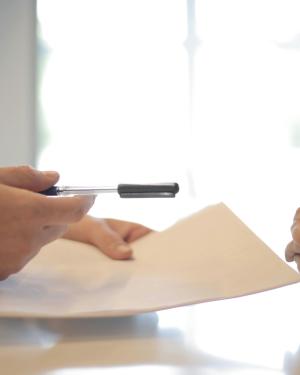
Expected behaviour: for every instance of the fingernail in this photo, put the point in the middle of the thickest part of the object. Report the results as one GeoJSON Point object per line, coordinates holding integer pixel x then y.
{"type": "Point", "coordinates": [123, 249]}
{"type": "Point", "coordinates": [51, 174]}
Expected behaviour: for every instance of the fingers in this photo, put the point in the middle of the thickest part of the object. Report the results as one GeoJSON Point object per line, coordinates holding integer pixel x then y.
{"type": "Point", "coordinates": [295, 230]}
{"type": "Point", "coordinates": [110, 242]}
{"type": "Point", "coordinates": [111, 236]}
{"type": "Point", "coordinates": [26, 177]}
{"type": "Point", "coordinates": [290, 252]}
{"type": "Point", "coordinates": [137, 232]}
{"type": "Point", "coordinates": [130, 231]}
{"type": "Point", "coordinates": [65, 210]}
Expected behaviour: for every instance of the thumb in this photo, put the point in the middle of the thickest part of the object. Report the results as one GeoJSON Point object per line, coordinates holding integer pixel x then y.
{"type": "Point", "coordinates": [110, 242]}
{"type": "Point", "coordinates": [26, 177]}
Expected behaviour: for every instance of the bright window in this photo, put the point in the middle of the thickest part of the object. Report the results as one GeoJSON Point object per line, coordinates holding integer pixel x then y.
{"type": "Point", "coordinates": [205, 93]}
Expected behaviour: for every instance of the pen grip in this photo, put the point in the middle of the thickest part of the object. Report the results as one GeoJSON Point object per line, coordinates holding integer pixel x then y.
{"type": "Point", "coordinates": [148, 191]}
{"type": "Point", "coordinates": [51, 191]}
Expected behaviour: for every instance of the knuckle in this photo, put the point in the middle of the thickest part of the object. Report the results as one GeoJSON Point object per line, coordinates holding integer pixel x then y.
{"type": "Point", "coordinates": [26, 170]}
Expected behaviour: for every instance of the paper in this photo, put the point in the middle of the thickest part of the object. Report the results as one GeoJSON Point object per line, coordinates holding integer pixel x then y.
{"type": "Point", "coordinates": [210, 255]}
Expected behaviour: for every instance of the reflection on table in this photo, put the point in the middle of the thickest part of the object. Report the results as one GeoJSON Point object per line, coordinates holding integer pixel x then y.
{"type": "Point", "coordinates": [255, 334]}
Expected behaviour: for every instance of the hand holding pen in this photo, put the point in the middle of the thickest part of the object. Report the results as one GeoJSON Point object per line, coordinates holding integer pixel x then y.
{"type": "Point", "coordinates": [28, 221]}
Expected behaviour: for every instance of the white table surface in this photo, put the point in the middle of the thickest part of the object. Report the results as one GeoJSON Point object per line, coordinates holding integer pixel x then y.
{"type": "Point", "coordinates": [258, 334]}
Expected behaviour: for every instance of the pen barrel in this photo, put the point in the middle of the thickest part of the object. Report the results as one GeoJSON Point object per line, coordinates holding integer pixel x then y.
{"type": "Point", "coordinates": [167, 190]}
{"type": "Point", "coordinates": [162, 190]}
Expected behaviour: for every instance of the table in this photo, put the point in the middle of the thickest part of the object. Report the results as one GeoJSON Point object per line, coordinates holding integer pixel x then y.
{"type": "Point", "coordinates": [257, 334]}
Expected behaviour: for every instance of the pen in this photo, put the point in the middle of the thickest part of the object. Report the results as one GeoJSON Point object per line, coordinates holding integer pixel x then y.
{"type": "Point", "coordinates": [164, 190]}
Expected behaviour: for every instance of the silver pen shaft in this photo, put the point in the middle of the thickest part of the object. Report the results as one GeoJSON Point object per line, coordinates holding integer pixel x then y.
{"type": "Point", "coordinates": [84, 190]}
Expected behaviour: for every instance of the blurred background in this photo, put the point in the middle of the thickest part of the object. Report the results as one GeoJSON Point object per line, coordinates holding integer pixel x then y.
{"type": "Point", "coordinates": [201, 92]}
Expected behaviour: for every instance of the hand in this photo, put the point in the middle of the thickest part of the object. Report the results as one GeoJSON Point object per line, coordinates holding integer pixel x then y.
{"type": "Point", "coordinates": [28, 220]}
{"type": "Point", "coordinates": [292, 251]}
{"type": "Point", "coordinates": [111, 236]}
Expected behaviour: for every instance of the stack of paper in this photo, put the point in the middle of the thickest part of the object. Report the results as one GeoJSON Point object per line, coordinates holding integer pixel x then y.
{"type": "Point", "coordinates": [208, 256]}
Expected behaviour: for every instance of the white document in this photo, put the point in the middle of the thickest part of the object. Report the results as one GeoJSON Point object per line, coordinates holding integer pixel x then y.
{"type": "Point", "coordinates": [208, 256]}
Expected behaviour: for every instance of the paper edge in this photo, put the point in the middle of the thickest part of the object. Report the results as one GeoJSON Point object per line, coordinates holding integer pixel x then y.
{"type": "Point", "coordinates": [123, 313]}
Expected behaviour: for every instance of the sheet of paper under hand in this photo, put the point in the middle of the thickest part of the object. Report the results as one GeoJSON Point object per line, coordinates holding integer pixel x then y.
{"type": "Point", "coordinates": [208, 256]}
